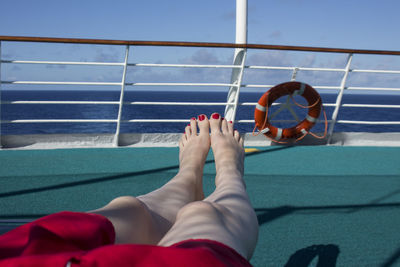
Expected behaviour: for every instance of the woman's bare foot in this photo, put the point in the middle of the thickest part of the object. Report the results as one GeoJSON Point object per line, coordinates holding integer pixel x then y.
{"type": "Point", "coordinates": [227, 146]}
{"type": "Point", "coordinates": [193, 151]}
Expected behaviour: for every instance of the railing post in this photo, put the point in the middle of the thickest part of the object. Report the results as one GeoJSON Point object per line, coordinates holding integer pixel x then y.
{"type": "Point", "coordinates": [121, 98]}
{"type": "Point", "coordinates": [294, 74]}
{"type": "Point", "coordinates": [239, 60]}
{"type": "Point", "coordinates": [339, 98]}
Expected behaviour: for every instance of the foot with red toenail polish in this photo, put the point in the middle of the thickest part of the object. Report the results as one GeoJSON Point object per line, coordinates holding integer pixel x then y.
{"type": "Point", "coordinates": [215, 116]}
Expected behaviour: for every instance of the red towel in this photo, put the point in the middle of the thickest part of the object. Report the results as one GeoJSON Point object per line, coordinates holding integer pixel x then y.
{"type": "Point", "coordinates": [84, 239]}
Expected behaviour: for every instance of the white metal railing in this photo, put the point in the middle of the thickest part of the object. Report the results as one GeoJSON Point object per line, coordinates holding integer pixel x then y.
{"type": "Point", "coordinates": [232, 99]}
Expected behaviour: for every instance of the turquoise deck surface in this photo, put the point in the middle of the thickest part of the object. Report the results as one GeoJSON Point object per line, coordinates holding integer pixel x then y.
{"type": "Point", "coordinates": [342, 203]}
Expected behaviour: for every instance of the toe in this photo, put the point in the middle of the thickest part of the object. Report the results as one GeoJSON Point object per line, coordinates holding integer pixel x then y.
{"type": "Point", "coordinates": [241, 142]}
{"type": "Point", "coordinates": [230, 127]}
{"type": "Point", "coordinates": [193, 126]}
{"type": "Point", "coordinates": [215, 123]}
{"type": "Point", "coordinates": [188, 131]}
{"type": "Point", "coordinates": [182, 141]}
{"type": "Point", "coordinates": [236, 135]}
{"type": "Point", "coordinates": [224, 126]}
{"type": "Point", "coordinates": [204, 125]}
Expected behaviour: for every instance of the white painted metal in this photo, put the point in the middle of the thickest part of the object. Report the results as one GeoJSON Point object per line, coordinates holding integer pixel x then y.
{"type": "Point", "coordinates": [157, 120]}
{"type": "Point", "coordinates": [239, 60]}
{"type": "Point", "coordinates": [234, 90]}
{"type": "Point", "coordinates": [339, 98]}
{"type": "Point", "coordinates": [181, 65]}
{"type": "Point", "coordinates": [369, 106]}
{"type": "Point", "coordinates": [370, 122]}
{"type": "Point", "coordinates": [373, 88]}
{"type": "Point", "coordinates": [292, 68]}
{"type": "Point", "coordinates": [121, 99]}
{"type": "Point", "coordinates": [63, 102]}
{"type": "Point", "coordinates": [61, 83]}
{"type": "Point", "coordinates": [63, 62]}
{"type": "Point", "coordinates": [294, 74]}
{"type": "Point", "coordinates": [180, 84]}
{"type": "Point", "coordinates": [177, 103]}
{"type": "Point", "coordinates": [379, 71]}
{"type": "Point", "coordinates": [241, 21]}
{"type": "Point", "coordinates": [58, 121]}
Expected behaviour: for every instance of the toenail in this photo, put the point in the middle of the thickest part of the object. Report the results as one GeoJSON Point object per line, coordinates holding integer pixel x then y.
{"type": "Point", "coordinates": [193, 118]}
{"type": "Point", "coordinates": [230, 121]}
{"type": "Point", "coordinates": [215, 116]}
{"type": "Point", "coordinates": [202, 117]}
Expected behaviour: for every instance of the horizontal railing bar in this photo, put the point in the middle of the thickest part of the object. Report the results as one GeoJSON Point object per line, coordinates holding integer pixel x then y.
{"type": "Point", "coordinates": [292, 68]}
{"type": "Point", "coordinates": [181, 65]}
{"type": "Point", "coordinates": [286, 121]}
{"type": "Point", "coordinates": [155, 120]}
{"type": "Point", "coordinates": [369, 122]}
{"type": "Point", "coordinates": [60, 83]}
{"type": "Point", "coordinates": [193, 66]}
{"type": "Point", "coordinates": [372, 88]}
{"type": "Point", "coordinates": [270, 86]}
{"type": "Point", "coordinates": [327, 87]}
{"type": "Point", "coordinates": [125, 121]}
{"type": "Point", "coordinates": [62, 62]}
{"type": "Point", "coordinates": [257, 85]}
{"type": "Point", "coordinates": [58, 121]}
{"type": "Point", "coordinates": [194, 44]}
{"type": "Point", "coordinates": [180, 84]}
{"type": "Point", "coordinates": [369, 106]}
{"type": "Point", "coordinates": [116, 103]}
{"type": "Point", "coordinates": [278, 103]}
{"type": "Point", "coordinates": [333, 105]}
{"type": "Point", "coordinates": [178, 103]}
{"type": "Point", "coordinates": [63, 102]}
{"type": "Point", "coordinates": [186, 120]}
{"type": "Point", "coordinates": [177, 120]}
{"type": "Point", "coordinates": [378, 71]}
{"type": "Point", "coordinates": [189, 84]}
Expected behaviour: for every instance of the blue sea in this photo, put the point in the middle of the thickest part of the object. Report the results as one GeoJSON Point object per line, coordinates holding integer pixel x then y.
{"type": "Point", "coordinates": [81, 111]}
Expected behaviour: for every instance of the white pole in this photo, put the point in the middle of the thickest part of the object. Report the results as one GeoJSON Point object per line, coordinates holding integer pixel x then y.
{"type": "Point", "coordinates": [239, 59]}
{"type": "Point", "coordinates": [121, 98]}
{"type": "Point", "coordinates": [339, 98]}
{"type": "Point", "coordinates": [241, 21]}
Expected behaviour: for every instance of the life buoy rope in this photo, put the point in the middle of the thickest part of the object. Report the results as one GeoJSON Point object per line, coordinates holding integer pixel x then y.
{"type": "Point", "coordinates": [299, 131]}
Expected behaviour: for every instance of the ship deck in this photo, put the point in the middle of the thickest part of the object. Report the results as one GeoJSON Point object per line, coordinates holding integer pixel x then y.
{"type": "Point", "coordinates": [341, 203]}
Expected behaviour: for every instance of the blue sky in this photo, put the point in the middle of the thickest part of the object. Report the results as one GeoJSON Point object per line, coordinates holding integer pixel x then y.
{"type": "Point", "coordinates": [344, 24]}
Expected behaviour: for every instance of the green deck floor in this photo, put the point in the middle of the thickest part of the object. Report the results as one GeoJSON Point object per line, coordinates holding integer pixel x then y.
{"type": "Point", "coordinates": [342, 203]}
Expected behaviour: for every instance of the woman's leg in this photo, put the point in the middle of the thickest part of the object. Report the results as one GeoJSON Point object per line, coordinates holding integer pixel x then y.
{"type": "Point", "coordinates": [146, 219]}
{"type": "Point", "coordinates": [226, 215]}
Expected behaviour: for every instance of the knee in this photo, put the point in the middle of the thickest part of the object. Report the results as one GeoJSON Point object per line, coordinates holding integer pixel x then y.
{"type": "Point", "coordinates": [128, 203]}
{"type": "Point", "coordinates": [198, 208]}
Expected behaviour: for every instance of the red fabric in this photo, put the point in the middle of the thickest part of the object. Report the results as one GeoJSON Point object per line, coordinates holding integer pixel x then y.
{"type": "Point", "coordinates": [88, 240]}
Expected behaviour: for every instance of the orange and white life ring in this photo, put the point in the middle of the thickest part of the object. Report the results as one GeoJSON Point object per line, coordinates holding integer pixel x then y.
{"type": "Point", "coordinates": [303, 127]}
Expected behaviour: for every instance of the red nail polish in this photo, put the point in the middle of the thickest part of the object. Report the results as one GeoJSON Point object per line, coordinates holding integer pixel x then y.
{"type": "Point", "coordinates": [193, 118]}
{"type": "Point", "coordinates": [230, 121]}
{"type": "Point", "coordinates": [215, 116]}
{"type": "Point", "coordinates": [202, 117]}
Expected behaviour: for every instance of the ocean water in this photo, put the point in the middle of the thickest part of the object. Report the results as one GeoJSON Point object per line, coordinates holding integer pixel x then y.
{"type": "Point", "coordinates": [81, 111]}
